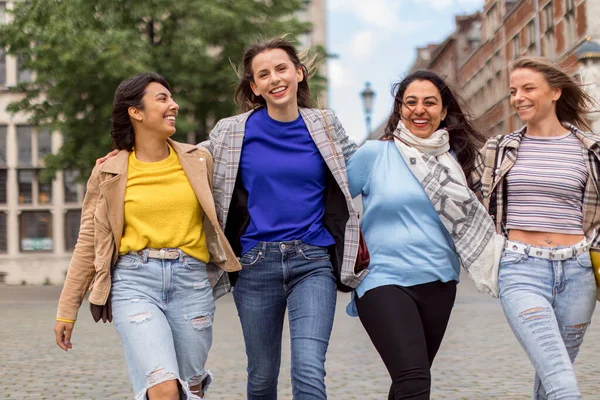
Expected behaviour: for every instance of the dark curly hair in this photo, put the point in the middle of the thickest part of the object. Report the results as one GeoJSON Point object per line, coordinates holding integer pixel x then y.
{"type": "Point", "coordinates": [465, 140]}
{"type": "Point", "coordinates": [129, 94]}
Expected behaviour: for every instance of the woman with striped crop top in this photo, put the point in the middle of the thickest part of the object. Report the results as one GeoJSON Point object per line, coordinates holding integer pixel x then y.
{"type": "Point", "coordinates": [540, 184]}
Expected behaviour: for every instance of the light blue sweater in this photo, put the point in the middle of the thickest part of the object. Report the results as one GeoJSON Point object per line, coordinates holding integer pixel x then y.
{"type": "Point", "coordinates": [407, 241]}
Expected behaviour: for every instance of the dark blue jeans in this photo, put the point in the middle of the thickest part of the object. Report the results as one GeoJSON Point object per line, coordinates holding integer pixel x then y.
{"type": "Point", "coordinates": [276, 276]}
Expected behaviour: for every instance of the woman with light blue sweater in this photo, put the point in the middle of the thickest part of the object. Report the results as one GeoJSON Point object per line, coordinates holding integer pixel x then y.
{"type": "Point", "coordinates": [405, 301]}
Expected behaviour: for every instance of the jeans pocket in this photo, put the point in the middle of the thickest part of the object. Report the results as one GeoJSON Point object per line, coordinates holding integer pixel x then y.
{"type": "Point", "coordinates": [314, 253]}
{"type": "Point", "coordinates": [193, 264]}
{"type": "Point", "coordinates": [129, 262]}
{"type": "Point", "coordinates": [251, 257]}
{"type": "Point", "coordinates": [509, 258]}
{"type": "Point", "coordinates": [584, 260]}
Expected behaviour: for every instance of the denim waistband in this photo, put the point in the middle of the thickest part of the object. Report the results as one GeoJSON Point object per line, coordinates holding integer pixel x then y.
{"type": "Point", "coordinates": [282, 247]}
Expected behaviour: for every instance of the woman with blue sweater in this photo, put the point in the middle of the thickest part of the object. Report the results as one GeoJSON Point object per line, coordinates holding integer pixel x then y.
{"type": "Point", "coordinates": [405, 301]}
{"type": "Point", "coordinates": [281, 194]}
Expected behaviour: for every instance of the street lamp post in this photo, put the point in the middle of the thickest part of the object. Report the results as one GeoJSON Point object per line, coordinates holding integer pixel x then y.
{"type": "Point", "coordinates": [367, 96]}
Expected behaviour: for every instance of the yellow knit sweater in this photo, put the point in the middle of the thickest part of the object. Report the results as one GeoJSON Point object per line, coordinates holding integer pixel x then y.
{"type": "Point", "coordinates": [161, 209]}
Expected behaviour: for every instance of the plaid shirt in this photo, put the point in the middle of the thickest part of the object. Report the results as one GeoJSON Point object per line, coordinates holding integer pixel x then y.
{"type": "Point", "coordinates": [225, 144]}
{"type": "Point", "coordinates": [489, 182]}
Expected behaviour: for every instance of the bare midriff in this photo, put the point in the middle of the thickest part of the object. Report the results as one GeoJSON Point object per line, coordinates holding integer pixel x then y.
{"type": "Point", "coordinates": [544, 239]}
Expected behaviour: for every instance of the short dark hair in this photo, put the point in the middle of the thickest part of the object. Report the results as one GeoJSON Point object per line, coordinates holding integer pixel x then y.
{"type": "Point", "coordinates": [245, 98]}
{"type": "Point", "coordinates": [465, 140]}
{"type": "Point", "coordinates": [129, 94]}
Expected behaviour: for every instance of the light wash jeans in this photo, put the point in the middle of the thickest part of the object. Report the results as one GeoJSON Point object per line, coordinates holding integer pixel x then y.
{"type": "Point", "coordinates": [549, 305]}
{"type": "Point", "coordinates": [275, 276]}
{"type": "Point", "coordinates": [163, 311]}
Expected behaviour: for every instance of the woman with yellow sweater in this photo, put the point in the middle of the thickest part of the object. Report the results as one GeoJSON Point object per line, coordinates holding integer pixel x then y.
{"type": "Point", "coordinates": [148, 232]}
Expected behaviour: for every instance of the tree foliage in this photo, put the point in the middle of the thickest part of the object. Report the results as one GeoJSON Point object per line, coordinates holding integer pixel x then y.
{"type": "Point", "coordinates": [79, 51]}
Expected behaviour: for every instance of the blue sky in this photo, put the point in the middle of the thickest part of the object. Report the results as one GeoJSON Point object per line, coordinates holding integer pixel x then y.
{"type": "Point", "coordinates": [376, 41]}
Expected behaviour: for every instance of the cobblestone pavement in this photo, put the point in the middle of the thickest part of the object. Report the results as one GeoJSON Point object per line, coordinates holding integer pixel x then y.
{"type": "Point", "coordinates": [479, 358]}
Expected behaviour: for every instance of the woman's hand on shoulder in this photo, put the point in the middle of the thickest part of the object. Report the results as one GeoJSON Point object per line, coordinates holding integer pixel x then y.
{"type": "Point", "coordinates": [106, 157]}
{"type": "Point", "coordinates": [63, 331]}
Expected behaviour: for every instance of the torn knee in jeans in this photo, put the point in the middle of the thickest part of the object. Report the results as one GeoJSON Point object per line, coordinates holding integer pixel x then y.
{"type": "Point", "coordinates": [573, 335]}
{"type": "Point", "coordinates": [140, 318]}
{"type": "Point", "coordinates": [159, 375]}
{"type": "Point", "coordinates": [534, 313]}
{"type": "Point", "coordinates": [202, 322]}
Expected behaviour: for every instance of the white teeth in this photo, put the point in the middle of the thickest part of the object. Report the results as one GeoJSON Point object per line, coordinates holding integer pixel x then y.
{"type": "Point", "coordinates": [279, 89]}
{"type": "Point", "coordinates": [523, 108]}
{"type": "Point", "coordinates": [171, 118]}
{"type": "Point", "coordinates": [420, 121]}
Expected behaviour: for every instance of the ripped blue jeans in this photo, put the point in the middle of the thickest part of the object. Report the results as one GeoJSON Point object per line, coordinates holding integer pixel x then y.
{"type": "Point", "coordinates": [163, 311]}
{"type": "Point", "coordinates": [549, 305]}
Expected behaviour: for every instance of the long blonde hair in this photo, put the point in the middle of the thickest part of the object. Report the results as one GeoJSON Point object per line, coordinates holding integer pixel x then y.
{"type": "Point", "coordinates": [574, 102]}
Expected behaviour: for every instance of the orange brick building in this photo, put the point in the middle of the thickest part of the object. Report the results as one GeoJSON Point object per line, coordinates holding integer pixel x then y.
{"type": "Point", "coordinates": [475, 58]}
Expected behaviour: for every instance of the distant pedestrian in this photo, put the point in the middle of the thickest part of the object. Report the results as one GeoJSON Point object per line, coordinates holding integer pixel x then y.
{"type": "Point", "coordinates": [415, 195]}
{"type": "Point", "coordinates": [541, 185]}
{"type": "Point", "coordinates": [281, 193]}
{"type": "Point", "coordinates": [148, 230]}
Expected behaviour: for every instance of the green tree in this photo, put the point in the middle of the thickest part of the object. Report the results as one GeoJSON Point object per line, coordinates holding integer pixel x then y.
{"type": "Point", "coordinates": [80, 50]}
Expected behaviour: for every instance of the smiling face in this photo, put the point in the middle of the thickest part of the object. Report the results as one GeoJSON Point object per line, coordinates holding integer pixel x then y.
{"type": "Point", "coordinates": [276, 79]}
{"type": "Point", "coordinates": [159, 110]}
{"type": "Point", "coordinates": [422, 109]}
{"type": "Point", "coordinates": [531, 96]}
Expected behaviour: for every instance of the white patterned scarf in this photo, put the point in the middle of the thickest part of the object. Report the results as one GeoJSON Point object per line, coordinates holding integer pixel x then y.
{"type": "Point", "coordinates": [477, 245]}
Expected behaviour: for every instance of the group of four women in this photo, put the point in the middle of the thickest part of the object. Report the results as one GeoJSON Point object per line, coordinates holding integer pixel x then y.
{"type": "Point", "coordinates": [265, 205]}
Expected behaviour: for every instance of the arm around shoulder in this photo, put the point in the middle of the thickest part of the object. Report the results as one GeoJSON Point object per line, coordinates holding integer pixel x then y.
{"type": "Point", "coordinates": [340, 136]}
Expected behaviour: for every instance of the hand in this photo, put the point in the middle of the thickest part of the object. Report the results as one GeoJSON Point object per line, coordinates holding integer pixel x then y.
{"type": "Point", "coordinates": [63, 331]}
{"type": "Point", "coordinates": [106, 157]}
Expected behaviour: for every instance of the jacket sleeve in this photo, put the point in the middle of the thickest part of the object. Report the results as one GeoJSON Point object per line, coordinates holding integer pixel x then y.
{"type": "Point", "coordinates": [348, 146]}
{"type": "Point", "coordinates": [81, 270]}
{"type": "Point", "coordinates": [213, 138]}
{"type": "Point", "coordinates": [477, 173]}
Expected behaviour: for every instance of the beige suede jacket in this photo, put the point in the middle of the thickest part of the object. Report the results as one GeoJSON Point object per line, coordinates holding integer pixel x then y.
{"type": "Point", "coordinates": [102, 220]}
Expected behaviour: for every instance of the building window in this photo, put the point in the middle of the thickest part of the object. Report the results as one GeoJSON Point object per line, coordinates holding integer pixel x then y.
{"type": "Point", "coordinates": [548, 12]}
{"type": "Point", "coordinates": [2, 12]}
{"type": "Point", "coordinates": [531, 36]}
{"type": "Point", "coordinates": [3, 189]}
{"type": "Point", "coordinates": [23, 74]}
{"type": "Point", "coordinates": [35, 228]}
{"type": "Point", "coordinates": [2, 67]}
{"type": "Point", "coordinates": [44, 145]}
{"type": "Point", "coordinates": [24, 138]}
{"type": "Point", "coordinates": [70, 186]}
{"type": "Point", "coordinates": [25, 178]}
{"type": "Point", "coordinates": [31, 188]}
{"type": "Point", "coordinates": [516, 46]}
{"type": "Point", "coordinates": [3, 233]}
{"type": "Point", "coordinates": [72, 220]}
{"type": "Point", "coordinates": [549, 44]}
{"type": "Point", "coordinates": [3, 133]}
{"type": "Point", "coordinates": [569, 7]}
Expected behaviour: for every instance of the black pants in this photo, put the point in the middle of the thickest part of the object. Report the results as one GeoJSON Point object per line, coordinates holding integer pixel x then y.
{"type": "Point", "coordinates": [406, 325]}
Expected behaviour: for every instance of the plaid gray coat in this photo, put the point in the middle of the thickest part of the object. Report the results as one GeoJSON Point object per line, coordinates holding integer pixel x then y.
{"type": "Point", "coordinates": [489, 182]}
{"type": "Point", "coordinates": [225, 144]}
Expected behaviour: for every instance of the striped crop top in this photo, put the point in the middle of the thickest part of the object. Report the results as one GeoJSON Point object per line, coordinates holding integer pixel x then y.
{"type": "Point", "coordinates": [546, 184]}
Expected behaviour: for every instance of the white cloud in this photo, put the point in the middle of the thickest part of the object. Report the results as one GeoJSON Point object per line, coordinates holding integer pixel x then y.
{"type": "Point", "coordinates": [382, 14]}
{"type": "Point", "coordinates": [339, 76]}
{"type": "Point", "coordinates": [362, 44]}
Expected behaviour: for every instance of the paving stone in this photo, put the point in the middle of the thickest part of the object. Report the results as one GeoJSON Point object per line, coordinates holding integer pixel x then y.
{"type": "Point", "coordinates": [479, 357]}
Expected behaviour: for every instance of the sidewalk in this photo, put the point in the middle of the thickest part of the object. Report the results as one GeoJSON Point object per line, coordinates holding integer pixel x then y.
{"type": "Point", "coordinates": [479, 358]}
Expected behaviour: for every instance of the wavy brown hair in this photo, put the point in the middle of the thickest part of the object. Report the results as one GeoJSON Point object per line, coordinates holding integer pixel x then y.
{"type": "Point", "coordinates": [573, 103]}
{"type": "Point", "coordinates": [244, 96]}
{"type": "Point", "coordinates": [465, 140]}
